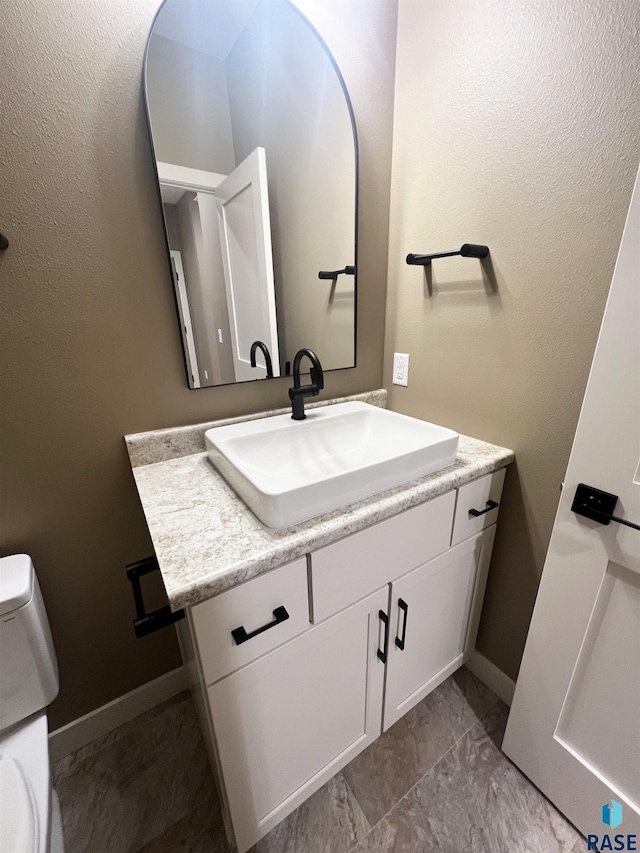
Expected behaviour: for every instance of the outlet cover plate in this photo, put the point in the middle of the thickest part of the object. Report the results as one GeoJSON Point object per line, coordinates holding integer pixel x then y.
{"type": "Point", "coordinates": [400, 368]}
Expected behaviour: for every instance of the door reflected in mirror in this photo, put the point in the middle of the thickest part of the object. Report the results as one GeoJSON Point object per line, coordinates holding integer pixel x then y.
{"type": "Point", "coordinates": [256, 158]}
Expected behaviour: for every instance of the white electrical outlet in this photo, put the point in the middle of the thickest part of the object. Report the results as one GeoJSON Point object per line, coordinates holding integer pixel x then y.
{"type": "Point", "coordinates": [401, 368]}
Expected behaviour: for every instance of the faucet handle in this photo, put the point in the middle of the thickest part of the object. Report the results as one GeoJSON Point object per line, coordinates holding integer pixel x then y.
{"type": "Point", "coordinates": [317, 377]}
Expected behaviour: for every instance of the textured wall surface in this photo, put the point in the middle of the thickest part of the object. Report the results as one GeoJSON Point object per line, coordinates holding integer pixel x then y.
{"type": "Point", "coordinates": [90, 343]}
{"type": "Point", "coordinates": [516, 125]}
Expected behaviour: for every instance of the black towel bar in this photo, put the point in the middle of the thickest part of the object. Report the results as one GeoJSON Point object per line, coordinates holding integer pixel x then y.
{"type": "Point", "coordinates": [467, 250]}
{"type": "Point", "coordinates": [146, 623]}
{"type": "Point", "coordinates": [333, 274]}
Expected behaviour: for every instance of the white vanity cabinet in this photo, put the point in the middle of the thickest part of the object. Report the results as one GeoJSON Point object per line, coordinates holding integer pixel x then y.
{"type": "Point", "coordinates": [290, 720]}
{"type": "Point", "coordinates": [373, 623]}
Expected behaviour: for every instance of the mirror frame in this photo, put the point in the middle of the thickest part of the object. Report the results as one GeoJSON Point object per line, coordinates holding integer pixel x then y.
{"type": "Point", "coordinates": [356, 153]}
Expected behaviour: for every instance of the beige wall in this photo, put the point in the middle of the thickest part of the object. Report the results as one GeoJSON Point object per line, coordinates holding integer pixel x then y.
{"type": "Point", "coordinates": [90, 342]}
{"type": "Point", "coordinates": [516, 125]}
{"type": "Point", "coordinates": [189, 107]}
{"type": "Point", "coordinates": [285, 96]}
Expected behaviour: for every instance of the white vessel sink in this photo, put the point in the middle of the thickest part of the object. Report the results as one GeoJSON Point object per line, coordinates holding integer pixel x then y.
{"type": "Point", "coordinates": [289, 471]}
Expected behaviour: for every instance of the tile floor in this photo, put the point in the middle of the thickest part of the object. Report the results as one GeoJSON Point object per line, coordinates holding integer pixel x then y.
{"type": "Point", "coordinates": [436, 781]}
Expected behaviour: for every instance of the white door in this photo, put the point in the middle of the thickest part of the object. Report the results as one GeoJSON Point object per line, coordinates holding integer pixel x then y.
{"type": "Point", "coordinates": [287, 722]}
{"type": "Point", "coordinates": [184, 313]}
{"type": "Point", "coordinates": [245, 237]}
{"type": "Point", "coordinates": [574, 726]}
{"type": "Point", "coordinates": [432, 611]}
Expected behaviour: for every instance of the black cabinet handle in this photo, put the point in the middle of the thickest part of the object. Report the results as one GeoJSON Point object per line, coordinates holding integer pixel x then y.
{"type": "Point", "coordinates": [240, 634]}
{"type": "Point", "coordinates": [382, 654]}
{"type": "Point", "coordinates": [405, 608]}
{"type": "Point", "coordinates": [490, 505]}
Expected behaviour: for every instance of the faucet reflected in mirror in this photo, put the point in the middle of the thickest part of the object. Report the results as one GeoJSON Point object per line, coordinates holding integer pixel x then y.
{"type": "Point", "coordinates": [259, 345]}
{"type": "Point", "coordinates": [299, 392]}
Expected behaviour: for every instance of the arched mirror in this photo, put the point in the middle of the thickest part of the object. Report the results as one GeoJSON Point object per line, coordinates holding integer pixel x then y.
{"type": "Point", "coordinates": [256, 155]}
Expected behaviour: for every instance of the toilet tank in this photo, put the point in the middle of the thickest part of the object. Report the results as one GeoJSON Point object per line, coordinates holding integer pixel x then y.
{"type": "Point", "coordinates": [28, 666]}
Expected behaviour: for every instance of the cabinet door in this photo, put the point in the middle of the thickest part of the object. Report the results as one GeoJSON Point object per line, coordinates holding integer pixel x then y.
{"type": "Point", "coordinates": [287, 722]}
{"type": "Point", "coordinates": [433, 621]}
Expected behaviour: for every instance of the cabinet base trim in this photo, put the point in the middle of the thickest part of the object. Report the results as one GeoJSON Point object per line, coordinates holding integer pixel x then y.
{"type": "Point", "coordinates": [494, 678]}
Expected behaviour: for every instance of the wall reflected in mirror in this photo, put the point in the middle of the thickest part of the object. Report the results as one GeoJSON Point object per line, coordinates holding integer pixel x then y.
{"type": "Point", "coordinates": [256, 158]}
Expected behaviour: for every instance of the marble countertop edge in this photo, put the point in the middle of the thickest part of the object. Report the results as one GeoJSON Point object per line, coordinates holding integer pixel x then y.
{"type": "Point", "coordinates": [242, 547]}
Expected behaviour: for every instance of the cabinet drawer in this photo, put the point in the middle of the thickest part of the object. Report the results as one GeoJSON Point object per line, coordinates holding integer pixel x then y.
{"type": "Point", "coordinates": [475, 497]}
{"type": "Point", "coordinates": [251, 606]}
{"type": "Point", "coordinates": [348, 570]}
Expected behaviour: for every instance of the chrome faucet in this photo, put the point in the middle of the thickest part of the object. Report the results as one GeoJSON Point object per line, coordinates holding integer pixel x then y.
{"type": "Point", "coordinates": [299, 392]}
{"type": "Point", "coordinates": [259, 345]}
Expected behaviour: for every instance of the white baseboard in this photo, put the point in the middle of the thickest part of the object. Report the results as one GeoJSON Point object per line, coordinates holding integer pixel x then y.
{"type": "Point", "coordinates": [93, 725]}
{"type": "Point", "coordinates": [494, 678]}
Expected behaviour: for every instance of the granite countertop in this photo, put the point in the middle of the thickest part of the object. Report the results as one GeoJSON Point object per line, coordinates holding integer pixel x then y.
{"type": "Point", "coordinates": [207, 540]}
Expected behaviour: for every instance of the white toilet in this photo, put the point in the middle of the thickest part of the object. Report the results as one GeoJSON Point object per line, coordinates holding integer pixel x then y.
{"type": "Point", "coordinates": [29, 809]}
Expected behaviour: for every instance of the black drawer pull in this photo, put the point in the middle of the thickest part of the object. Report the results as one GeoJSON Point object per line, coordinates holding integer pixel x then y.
{"type": "Point", "coordinates": [402, 604]}
{"type": "Point", "coordinates": [490, 505]}
{"type": "Point", "coordinates": [382, 653]}
{"type": "Point", "coordinates": [240, 634]}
